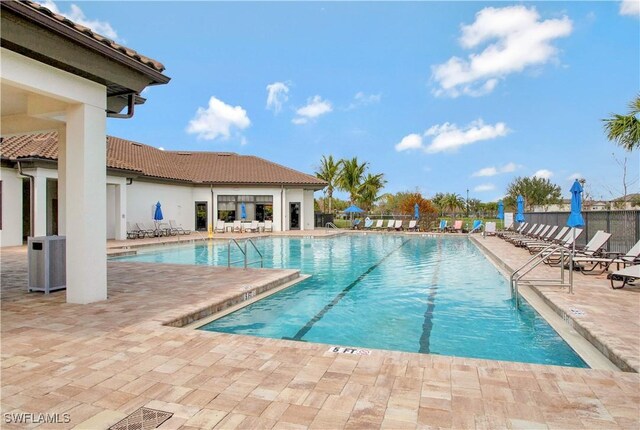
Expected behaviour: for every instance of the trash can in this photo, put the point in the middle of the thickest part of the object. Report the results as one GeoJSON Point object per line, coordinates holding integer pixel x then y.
{"type": "Point", "coordinates": [47, 258]}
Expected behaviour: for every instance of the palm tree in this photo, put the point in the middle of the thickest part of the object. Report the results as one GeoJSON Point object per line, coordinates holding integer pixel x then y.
{"type": "Point", "coordinates": [453, 202]}
{"type": "Point", "coordinates": [329, 172]}
{"type": "Point", "coordinates": [625, 129]}
{"type": "Point", "coordinates": [350, 177]}
{"type": "Point", "coordinates": [369, 189]}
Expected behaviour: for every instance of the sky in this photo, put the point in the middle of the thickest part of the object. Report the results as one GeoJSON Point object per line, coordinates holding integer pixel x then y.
{"type": "Point", "coordinates": [438, 96]}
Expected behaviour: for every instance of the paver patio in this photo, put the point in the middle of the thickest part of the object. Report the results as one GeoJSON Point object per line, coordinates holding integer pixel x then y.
{"type": "Point", "coordinates": [105, 360]}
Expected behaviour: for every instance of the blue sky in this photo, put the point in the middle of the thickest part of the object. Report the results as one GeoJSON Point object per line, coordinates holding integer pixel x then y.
{"type": "Point", "coordinates": [438, 96]}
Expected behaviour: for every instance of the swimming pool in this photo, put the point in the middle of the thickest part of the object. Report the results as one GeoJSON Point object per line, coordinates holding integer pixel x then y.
{"type": "Point", "coordinates": [417, 294]}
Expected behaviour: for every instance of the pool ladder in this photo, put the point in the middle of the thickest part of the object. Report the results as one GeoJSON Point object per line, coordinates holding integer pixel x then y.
{"type": "Point", "coordinates": [534, 262]}
{"type": "Point", "coordinates": [243, 250]}
{"type": "Point", "coordinates": [330, 225]}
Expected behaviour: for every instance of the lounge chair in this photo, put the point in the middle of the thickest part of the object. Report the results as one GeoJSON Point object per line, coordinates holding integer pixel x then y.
{"type": "Point", "coordinates": [443, 225]}
{"type": "Point", "coordinates": [628, 276]}
{"type": "Point", "coordinates": [507, 233]}
{"type": "Point", "coordinates": [589, 264]}
{"type": "Point", "coordinates": [355, 224]}
{"type": "Point", "coordinates": [413, 225]}
{"type": "Point", "coordinates": [545, 236]}
{"type": "Point", "coordinates": [476, 225]}
{"type": "Point", "coordinates": [398, 225]}
{"type": "Point", "coordinates": [253, 227]}
{"type": "Point", "coordinates": [368, 223]}
{"type": "Point", "coordinates": [390, 225]}
{"type": "Point", "coordinates": [133, 232]}
{"type": "Point", "coordinates": [536, 237]}
{"type": "Point", "coordinates": [379, 224]}
{"type": "Point", "coordinates": [219, 226]}
{"type": "Point", "coordinates": [145, 231]}
{"type": "Point", "coordinates": [174, 228]}
{"type": "Point", "coordinates": [268, 225]}
{"type": "Point", "coordinates": [237, 226]}
{"type": "Point", "coordinates": [490, 228]}
{"type": "Point", "coordinates": [536, 246]}
{"type": "Point", "coordinates": [457, 226]}
{"type": "Point", "coordinates": [527, 232]}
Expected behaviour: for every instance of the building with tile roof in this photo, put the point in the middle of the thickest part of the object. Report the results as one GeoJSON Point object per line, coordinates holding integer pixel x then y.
{"type": "Point", "coordinates": [195, 188]}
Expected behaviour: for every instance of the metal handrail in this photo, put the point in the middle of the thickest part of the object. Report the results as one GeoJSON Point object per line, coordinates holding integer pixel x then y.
{"type": "Point", "coordinates": [330, 225]}
{"type": "Point", "coordinates": [243, 250]}
{"type": "Point", "coordinates": [543, 255]}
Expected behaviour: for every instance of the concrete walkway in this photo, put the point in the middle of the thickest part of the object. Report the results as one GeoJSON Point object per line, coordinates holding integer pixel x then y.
{"type": "Point", "coordinates": [100, 362]}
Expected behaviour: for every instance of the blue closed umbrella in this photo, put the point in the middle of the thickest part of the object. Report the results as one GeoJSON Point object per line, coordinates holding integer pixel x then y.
{"type": "Point", "coordinates": [575, 217]}
{"type": "Point", "coordinates": [416, 211]}
{"type": "Point", "coordinates": [520, 212]}
{"type": "Point", "coordinates": [157, 215]}
{"type": "Point", "coordinates": [243, 211]}
{"type": "Point", "coordinates": [500, 210]}
{"type": "Point", "coordinates": [353, 209]}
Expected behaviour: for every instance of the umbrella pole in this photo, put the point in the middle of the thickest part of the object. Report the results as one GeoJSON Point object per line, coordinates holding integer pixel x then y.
{"type": "Point", "coordinates": [573, 253]}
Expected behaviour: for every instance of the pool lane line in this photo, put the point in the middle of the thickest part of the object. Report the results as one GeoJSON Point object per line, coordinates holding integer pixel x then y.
{"type": "Point", "coordinates": [304, 330]}
{"type": "Point", "coordinates": [427, 325]}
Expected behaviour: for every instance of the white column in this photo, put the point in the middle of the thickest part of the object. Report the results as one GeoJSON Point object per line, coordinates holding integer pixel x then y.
{"type": "Point", "coordinates": [39, 205]}
{"type": "Point", "coordinates": [120, 212]}
{"type": "Point", "coordinates": [86, 188]}
{"type": "Point", "coordinates": [62, 167]}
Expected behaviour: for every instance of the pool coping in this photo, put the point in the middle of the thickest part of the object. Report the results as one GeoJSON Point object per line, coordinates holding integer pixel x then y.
{"type": "Point", "coordinates": [588, 347]}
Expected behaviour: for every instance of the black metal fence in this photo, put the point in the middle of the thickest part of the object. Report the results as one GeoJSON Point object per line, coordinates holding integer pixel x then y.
{"type": "Point", "coordinates": [322, 219]}
{"type": "Point", "coordinates": [624, 226]}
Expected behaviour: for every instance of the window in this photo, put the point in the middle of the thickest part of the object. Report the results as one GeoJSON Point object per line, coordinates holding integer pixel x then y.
{"type": "Point", "coordinates": [259, 208]}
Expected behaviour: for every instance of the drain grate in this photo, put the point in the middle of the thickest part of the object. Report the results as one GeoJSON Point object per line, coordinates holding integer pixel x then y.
{"type": "Point", "coordinates": [142, 419]}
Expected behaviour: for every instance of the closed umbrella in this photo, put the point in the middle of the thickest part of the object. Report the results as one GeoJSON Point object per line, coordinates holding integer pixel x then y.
{"type": "Point", "coordinates": [520, 212]}
{"type": "Point", "coordinates": [575, 220]}
{"type": "Point", "coordinates": [416, 211]}
{"type": "Point", "coordinates": [243, 211]}
{"type": "Point", "coordinates": [157, 215]}
{"type": "Point", "coordinates": [500, 210]}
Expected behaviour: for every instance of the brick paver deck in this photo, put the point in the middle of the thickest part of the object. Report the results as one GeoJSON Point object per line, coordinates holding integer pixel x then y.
{"type": "Point", "coordinates": [105, 360]}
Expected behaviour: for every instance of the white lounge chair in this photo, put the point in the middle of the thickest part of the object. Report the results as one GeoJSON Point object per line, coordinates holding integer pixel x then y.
{"type": "Point", "coordinates": [253, 227]}
{"type": "Point", "coordinates": [398, 225]}
{"type": "Point", "coordinates": [490, 228]}
{"type": "Point", "coordinates": [237, 226]}
{"type": "Point", "coordinates": [628, 276]}
{"type": "Point", "coordinates": [268, 226]}
{"type": "Point", "coordinates": [537, 246]}
{"type": "Point", "coordinates": [589, 264]}
{"type": "Point", "coordinates": [379, 224]}
{"type": "Point", "coordinates": [174, 228]}
{"type": "Point", "coordinates": [219, 226]}
{"type": "Point", "coordinates": [134, 232]}
{"type": "Point", "coordinates": [413, 225]}
{"type": "Point", "coordinates": [390, 224]}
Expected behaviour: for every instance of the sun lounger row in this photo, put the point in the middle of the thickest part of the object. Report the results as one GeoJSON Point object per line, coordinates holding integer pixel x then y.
{"type": "Point", "coordinates": [139, 230]}
{"type": "Point", "coordinates": [390, 225]}
{"type": "Point", "coordinates": [588, 259]}
{"type": "Point", "coordinates": [239, 227]}
{"type": "Point", "coordinates": [457, 227]}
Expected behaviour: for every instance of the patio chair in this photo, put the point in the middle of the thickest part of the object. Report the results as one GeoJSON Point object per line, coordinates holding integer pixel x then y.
{"type": "Point", "coordinates": [527, 232]}
{"type": "Point", "coordinates": [146, 232]}
{"type": "Point", "coordinates": [588, 264]}
{"type": "Point", "coordinates": [398, 225]}
{"type": "Point", "coordinates": [537, 246]}
{"type": "Point", "coordinates": [592, 248]}
{"type": "Point", "coordinates": [237, 226]}
{"type": "Point", "coordinates": [379, 224]}
{"type": "Point", "coordinates": [490, 228]}
{"type": "Point", "coordinates": [457, 226]}
{"type": "Point", "coordinates": [628, 276]}
{"type": "Point", "coordinates": [133, 232]}
{"type": "Point", "coordinates": [413, 225]}
{"type": "Point", "coordinates": [368, 223]}
{"type": "Point", "coordinates": [507, 233]}
{"type": "Point", "coordinates": [268, 226]}
{"type": "Point", "coordinates": [390, 225]}
{"type": "Point", "coordinates": [253, 227]}
{"type": "Point", "coordinates": [443, 225]}
{"type": "Point", "coordinates": [477, 223]}
{"type": "Point", "coordinates": [219, 226]}
{"type": "Point", "coordinates": [174, 228]}
{"type": "Point", "coordinates": [536, 237]}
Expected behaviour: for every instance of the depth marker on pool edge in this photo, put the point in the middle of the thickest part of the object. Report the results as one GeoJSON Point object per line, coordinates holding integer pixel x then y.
{"type": "Point", "coordinates": [304, 330]}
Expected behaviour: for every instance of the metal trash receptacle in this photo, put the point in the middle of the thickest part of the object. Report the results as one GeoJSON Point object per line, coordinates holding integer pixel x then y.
{"type": "Point", "coordinates": [47, 256]}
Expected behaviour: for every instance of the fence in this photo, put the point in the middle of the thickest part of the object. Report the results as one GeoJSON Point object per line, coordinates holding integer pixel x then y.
{"type": "Point", "coordinates": [322, 219]}
{"type": "Point", "coordinates": [624, 226]}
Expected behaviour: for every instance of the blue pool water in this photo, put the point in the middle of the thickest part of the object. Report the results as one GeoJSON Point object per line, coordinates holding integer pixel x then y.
{"type": "Point", "coordinates": [429, 295]}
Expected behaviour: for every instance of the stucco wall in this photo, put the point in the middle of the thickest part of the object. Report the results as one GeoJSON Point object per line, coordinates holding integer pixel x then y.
{"type": "Point", "coordinates": [11, 233]}
{"type": "Point", "coordinates": [177, 202]}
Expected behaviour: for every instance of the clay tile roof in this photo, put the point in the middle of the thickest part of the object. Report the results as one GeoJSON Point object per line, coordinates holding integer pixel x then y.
{"type": "Point", "coordinates": [150, 62]}
{"type": "Point", "coordinates": [185, 166]}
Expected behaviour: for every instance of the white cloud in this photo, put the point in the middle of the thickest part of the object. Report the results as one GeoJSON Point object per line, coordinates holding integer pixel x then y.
{"type": "Point", "coordinates": [484, 187]}
{"type": "Point", "coordinates": [217, 120]}
{"type": "Point", "coordinates": [492, 171]}
{"type": "Point", "coordinates": [517, 38]}
{"type": "Point", "coordinates": [76, 15]}
{"type": "Point", "coordinates": [411, 141]}
{"type": "Point", "coordinates": [448, 137]}
{"type": "Point", "coordinates": [277, 96]}
{"type": "Point", "coordinates": [630, 8]}
{"type": "Point", "coordinates": [314, 108]}
{"type": "Point", "coordinates": [575, 176]}
{"type": "Point", "coordinates": [362, 99]}
{"type": "Point", "coordinates": [543, 174]}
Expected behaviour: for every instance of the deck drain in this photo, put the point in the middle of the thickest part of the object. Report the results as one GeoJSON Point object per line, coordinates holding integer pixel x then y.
{"type": "Point", "coordinates": [142, 419]}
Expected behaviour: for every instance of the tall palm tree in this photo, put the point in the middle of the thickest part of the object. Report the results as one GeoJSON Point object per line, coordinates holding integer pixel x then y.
{"type": "Point", "coordinates": [369, 189]}
{"type": "Point", "coordinates": [329, 172]}
{"type": "Point", "coordinates": [625, 129]}
{"type": "Point", "coordinates": [351, 176]}
{"type": "Point", "coordinates": [453, 202]}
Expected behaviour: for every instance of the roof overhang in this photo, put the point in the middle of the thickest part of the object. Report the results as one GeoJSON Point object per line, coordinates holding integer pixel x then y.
{"type": "Point", "coordinates": [36, 35]}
